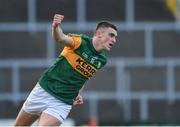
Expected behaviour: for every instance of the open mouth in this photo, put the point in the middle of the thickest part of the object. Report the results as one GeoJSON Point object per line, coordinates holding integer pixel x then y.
{"type": "Point", "coordinates": [111, 45]}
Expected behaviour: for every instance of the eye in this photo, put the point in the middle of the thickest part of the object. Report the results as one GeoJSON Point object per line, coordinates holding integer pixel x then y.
{"type": "Point", "coordinates": [111, 34]}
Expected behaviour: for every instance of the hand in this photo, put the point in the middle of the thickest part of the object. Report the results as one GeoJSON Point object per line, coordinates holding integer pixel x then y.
{"type": "Point", "coordinates": [78, 100]}
{"type": "Point", "coordinates": [57, 20]}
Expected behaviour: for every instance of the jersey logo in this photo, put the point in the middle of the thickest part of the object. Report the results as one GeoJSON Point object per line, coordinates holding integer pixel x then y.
{"type": "Point", "coordinates": [85, 68]}
{"type": "Point", "coordinates": [79, 64]}
{"type": "Point", "coordinates": [85, 55]}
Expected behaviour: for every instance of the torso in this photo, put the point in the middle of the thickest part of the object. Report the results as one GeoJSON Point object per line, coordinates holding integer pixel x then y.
{"type": "Point", "coordinates": [72, 68]}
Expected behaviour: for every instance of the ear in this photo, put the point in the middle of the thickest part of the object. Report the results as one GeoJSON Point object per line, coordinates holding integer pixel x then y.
{"type": "Point", "coordinates": [98, 34]}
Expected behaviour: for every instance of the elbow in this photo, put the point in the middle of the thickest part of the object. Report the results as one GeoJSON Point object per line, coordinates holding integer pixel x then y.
{"type": "Point", "coordinates": [58, 40]}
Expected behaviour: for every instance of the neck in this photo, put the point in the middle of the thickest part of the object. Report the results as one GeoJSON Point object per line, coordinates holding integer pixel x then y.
{"type": "Point", "coordinates": [96, 44]}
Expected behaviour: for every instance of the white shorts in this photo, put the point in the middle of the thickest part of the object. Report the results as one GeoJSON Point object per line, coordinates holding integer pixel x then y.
{"type": "Point", "coordinates": [39, 101]}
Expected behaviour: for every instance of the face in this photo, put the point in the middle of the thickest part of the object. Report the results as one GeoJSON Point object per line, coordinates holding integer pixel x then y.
{"type": "Point", "coordinates": [108, 38]}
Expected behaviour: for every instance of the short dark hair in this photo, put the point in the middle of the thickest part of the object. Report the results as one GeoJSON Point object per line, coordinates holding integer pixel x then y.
{"type": "Point", "coordinates": [105, 24]}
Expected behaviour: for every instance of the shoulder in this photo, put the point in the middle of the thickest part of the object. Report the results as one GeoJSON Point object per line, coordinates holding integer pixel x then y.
{"type": "Point", "coordinates": [86, 38]}
{"type": "Point", "coordinates": [74, 35]}
{"type": "Point", "coordinates": [77, 40]}
{"type": "Point", "coordinates": [83, 36]}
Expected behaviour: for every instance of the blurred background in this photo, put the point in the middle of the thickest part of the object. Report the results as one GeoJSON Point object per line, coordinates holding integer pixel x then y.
{"type": "Point", "coordinates": [140, 84]}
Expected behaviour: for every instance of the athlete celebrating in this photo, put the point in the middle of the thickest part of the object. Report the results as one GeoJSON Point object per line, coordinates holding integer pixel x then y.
{"type": "Point", "coordinates": [61, 84]}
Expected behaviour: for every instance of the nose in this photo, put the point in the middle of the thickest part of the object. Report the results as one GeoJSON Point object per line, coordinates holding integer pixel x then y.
{"type": "Point", "coordinates": [114, 39]}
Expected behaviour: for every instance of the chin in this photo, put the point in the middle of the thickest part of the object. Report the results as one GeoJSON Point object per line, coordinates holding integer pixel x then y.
{"type": "Point", "coordinates": [108, 50]}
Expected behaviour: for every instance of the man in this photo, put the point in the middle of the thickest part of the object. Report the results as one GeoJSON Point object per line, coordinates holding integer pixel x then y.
{"type": "Point", "coordinates": [61, 85]}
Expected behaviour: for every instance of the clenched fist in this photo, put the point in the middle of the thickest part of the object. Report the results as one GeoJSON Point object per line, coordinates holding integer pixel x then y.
{"type": "Point", "coordinates": [57, 20]}
{"type": "Point", "coordinates": [78, 100]}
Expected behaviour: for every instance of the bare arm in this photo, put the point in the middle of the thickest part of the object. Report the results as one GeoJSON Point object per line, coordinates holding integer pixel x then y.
{"type": "Point", "coordinates": [57, 32]}
{"type": "Point", "coordinates": [81, 90]}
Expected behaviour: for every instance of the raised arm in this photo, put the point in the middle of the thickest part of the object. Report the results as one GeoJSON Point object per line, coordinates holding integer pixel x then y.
{"type": "Point", "coordinates": [57, 32]}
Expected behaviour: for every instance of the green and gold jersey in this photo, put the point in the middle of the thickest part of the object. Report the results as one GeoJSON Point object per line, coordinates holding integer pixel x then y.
{"type": "Point", "coordinates": [74, 66]}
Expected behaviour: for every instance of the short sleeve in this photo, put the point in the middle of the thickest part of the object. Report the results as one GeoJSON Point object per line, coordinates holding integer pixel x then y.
{"type": "Point", "coordinates": [76, 41]}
